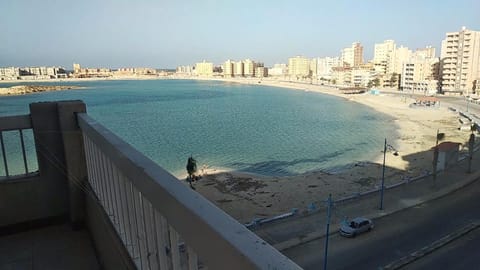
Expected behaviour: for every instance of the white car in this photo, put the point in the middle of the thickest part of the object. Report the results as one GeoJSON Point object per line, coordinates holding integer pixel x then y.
{"type": "Point", "coordinates": [356, 226]}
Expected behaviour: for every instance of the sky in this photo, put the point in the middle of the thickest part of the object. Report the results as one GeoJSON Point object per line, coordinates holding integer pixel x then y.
{"type": "Point", "coordinates": [166, 34]}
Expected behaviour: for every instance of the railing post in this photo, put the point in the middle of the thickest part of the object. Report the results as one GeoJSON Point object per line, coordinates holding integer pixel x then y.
{"type": "Point", "coordinates": [74, 158]}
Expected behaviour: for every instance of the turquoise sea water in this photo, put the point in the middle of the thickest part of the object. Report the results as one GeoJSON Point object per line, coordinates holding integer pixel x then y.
{"type": "Point", "coordinates": [253, 128]}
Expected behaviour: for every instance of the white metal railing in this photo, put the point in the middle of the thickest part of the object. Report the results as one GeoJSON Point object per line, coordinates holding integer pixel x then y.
{"type": "Point", "coordinates": [12, 124]}
{"type": "Point", "coordinates": [163, 223]}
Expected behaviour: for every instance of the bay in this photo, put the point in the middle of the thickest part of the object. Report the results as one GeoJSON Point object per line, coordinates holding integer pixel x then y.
{"type": "Point", "coordinates": [251, 128]}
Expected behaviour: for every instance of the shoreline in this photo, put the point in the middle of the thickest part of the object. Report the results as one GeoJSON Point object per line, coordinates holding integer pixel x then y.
{"type": "Point", "coordinates": [246, 196]}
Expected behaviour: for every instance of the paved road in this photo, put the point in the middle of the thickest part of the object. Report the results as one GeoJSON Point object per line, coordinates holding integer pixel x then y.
{"type": "Point", "coordinates": [460, 254]}
{"type": "Point", "coordinates": [396, 235]}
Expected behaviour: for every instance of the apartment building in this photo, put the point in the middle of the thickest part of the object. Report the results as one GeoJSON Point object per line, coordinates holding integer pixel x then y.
{"type": "Point", "coordinates": [460, 62]}
{"type": "Point", "coordinates": [204, 69]}
{"type": "Point", "coordinates": [353, 56]}
{"type": "Point", "coordinates": [238, 69]}
{"type": "Point", "coordinates": [299, 67]}
{"type": "Point", "coordinates": [278, 70]}
{"type": "Point", "coordinates": [228, 68]}
{"type": "Point", "coordinates": [248, 68]}
{"type": "Point", "coordinates": [325, 65]}
{"type": "Point", "coordinates": [421, 74]}
{"type": "Point", "coordinates": [383, 56]}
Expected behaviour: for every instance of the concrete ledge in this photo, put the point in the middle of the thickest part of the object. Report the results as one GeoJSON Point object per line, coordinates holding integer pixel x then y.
{"type": "Point", "coordinates": [432, 247]}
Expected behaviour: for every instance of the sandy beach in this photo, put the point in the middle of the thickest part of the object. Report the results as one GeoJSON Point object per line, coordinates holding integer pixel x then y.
{"type": "Point", "coordinates": [246, 196]}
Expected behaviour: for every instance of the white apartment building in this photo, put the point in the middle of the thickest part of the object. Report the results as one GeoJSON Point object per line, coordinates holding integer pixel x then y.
{"type": "Point", "coordinates": [204, 69]}
{"type": "Point", "coordinates": [238, 69]}
{"type": "Point", "coordinates": [299, 67]}
{"type": "Point", "coordinates": [325, 65]}
{"type": "Point", "coordinates": [185, 70]}
{"type": "Point", "coordinates": [353, 56]}
{"type": "Point", "coordinates": [228, 69]}
{"type": "Point", "coordinates": [420, 74]}
{"type": "Point", "coordinates": [383, 56]}
{"type": "Point", "coordinates": [278, 70]}
{"type": "Point", "coordinates": [9, 73]}
{"type": "Point", "coordinates": [248, 68]}
{"type": "Point", "coordinates": [460, 57]}
{"type": "Point", "coordinates": [360, 77]}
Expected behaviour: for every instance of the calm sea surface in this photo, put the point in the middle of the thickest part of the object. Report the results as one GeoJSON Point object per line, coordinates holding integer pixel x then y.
{"type": "Point", "coordinates": [252, 128]}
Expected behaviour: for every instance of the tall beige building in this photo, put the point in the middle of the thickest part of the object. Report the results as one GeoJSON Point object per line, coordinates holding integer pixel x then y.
{"type": "Point", "coordinates": [353, 56]}
{"type": "Point", "coordinates": [228, 68]}
{"type": "Point", "coordinates": [383, 56]}
{"type": "Point", "coordinates": [421, 74]}
{"type": "Point", "coordinates": [204, 69]}
{"type": "Point", "coordinates": [238, 69]}
{"type": "Point", "coordinates": [460, 57]}
{"type": "Point", "coordinates": [299, 66]}
{"type": "Point", "coordinates": [248, 68]}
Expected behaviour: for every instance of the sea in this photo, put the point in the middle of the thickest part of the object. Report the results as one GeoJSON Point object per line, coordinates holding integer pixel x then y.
{"type": "Point", "coordinates": [250, 128]}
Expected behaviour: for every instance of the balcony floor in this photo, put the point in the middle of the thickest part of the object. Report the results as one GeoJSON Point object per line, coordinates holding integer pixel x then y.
{"type": "Point", "coordinates": [53, 247]}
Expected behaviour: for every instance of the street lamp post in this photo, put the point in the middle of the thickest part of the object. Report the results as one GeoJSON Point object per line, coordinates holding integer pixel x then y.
{"type": "Point", "coordinates": [328, 230]}
{"type": "Point", "coordinates": [383, 174]}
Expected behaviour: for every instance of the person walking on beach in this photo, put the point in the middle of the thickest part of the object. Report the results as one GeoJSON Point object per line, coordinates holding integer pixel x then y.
{"type": "Point", "coordinates": [191, 169]}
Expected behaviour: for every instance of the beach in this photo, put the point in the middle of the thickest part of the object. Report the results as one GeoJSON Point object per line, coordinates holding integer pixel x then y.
{"type": "Point", "coordinates": [246, 196]}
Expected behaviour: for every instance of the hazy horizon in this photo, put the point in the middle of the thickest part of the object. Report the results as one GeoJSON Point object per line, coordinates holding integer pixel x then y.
{"type": "Point", "coordinates": [165, 34]}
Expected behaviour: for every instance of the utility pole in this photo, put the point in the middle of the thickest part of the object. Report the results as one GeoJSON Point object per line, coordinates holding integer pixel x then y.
{"type": "Point", "coordinates": [383, 175]}
{"type": "Point", "coordinates": [328, 230]}
{"type": "Point", "coordinates": [471, 143]}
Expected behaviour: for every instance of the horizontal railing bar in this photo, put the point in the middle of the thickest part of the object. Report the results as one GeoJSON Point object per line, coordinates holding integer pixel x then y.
{"type": "Point", "coordinates": [15, 122]}
{"type": "Point", "coordinates": [219, 240]}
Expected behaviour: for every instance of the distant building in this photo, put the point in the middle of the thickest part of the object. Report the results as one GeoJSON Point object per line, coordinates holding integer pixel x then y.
{"type": "Point", "coordinates": [383, 56]}
{"type": "Point", "coordinates": [420, 74]}
{"type": "Point", "coordinates": [299, 67]}
{"type": "Point", "coordinates": [185, 70]}
{"type": "Point", "coordinates": [278, 70]}
{"type": "Point", "coordinates": [353, 56]}
{"type": "Point", "coordinates": [228, 69]}
{"type": "Point", "coordinates": [248, 68]}
{"type": "Point", "coordinates": [79, 72]}
{"type": "Point", "coordinates": [460, 62]}
{"type": "Point", "coordinates": [342, 76]}
{"type": "Point", "coordinates": [325, 65]}
{"type": "Point", "coordinates": [204, 69]}
{"type": "Point", "coordinates": [9, 73]}
{"type": "Point", "coordinates": [238, 69]}
{"type": "Point", "coordinates": [261, 72]}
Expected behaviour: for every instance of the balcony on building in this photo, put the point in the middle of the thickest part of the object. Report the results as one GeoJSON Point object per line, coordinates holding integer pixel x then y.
{"type": "Point", "coordinates": [73, 195]}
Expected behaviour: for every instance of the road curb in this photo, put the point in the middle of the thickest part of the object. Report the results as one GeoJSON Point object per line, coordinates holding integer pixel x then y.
{"type": "Point", "coordinates": [430, 248]}
{"type": "Point", "coordinates": [317, 234]}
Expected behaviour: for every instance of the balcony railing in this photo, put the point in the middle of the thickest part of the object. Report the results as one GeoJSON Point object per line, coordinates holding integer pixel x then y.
{"type": "Point", "coordinates": [162, 223]}
{"type": "Point", "coordinates": [15, 163]}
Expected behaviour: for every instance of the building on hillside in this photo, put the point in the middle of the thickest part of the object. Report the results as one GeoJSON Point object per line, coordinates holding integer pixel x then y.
{"type": "Point", "coordinates": [460, 62]}
{"type": "Point", "coordinates": [204, 69]}
{"type": "Point", "coordinates": [299, 67]}
{"type": "Point", "coordinates": [353, 56]}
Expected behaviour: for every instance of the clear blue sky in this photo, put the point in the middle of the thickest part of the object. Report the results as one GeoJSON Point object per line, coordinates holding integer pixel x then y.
{"type": "Point", "coordinates": [167, 33]}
